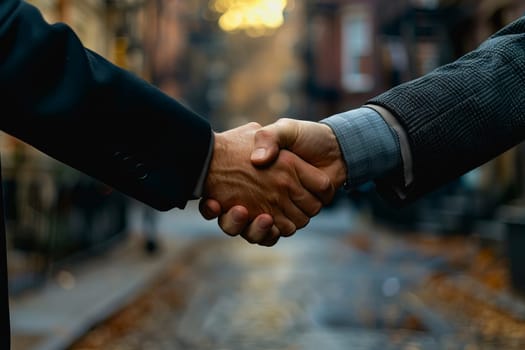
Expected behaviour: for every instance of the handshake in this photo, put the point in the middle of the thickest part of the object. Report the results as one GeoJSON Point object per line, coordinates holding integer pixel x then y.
{"type": "Point", "coordinates": [266, 182]}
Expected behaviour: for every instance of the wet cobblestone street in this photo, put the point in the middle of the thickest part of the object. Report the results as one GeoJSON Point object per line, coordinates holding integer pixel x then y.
{"type": "Point", "coordinates": [343, 288]}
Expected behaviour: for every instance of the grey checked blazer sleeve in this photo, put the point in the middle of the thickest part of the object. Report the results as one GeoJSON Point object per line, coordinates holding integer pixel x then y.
{"type": "Point", "coordinates": [461, 115]}
{"type": "Point", "coordinates": [369, 146]}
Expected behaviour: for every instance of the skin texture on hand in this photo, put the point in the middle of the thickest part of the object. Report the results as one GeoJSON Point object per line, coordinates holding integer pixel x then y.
{"type": "Point", "coordinates": [313, 142]}
{"type": "Point", "coordinates": [279, 190]}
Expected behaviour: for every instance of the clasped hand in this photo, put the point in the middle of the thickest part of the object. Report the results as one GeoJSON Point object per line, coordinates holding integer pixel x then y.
{"type": "Point", "coordinates": [265, 183]}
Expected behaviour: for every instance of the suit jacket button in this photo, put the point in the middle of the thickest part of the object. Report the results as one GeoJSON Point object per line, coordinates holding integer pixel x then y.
{"type": "Point", "coordinates": [118, 155]}
{"type": "Point", "coordinates": [141, 171]}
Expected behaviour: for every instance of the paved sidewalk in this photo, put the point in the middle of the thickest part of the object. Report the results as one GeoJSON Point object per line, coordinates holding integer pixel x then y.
{"type": "Point", "coordinates": [55, 315]}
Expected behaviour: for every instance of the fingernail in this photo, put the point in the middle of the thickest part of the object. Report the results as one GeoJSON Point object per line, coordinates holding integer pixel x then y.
{"type": "Point", "coordinates": [259, 153]}
{"type": "Point", "coordinates": [237, 217]}
{"type": "Point", "coordinates": [265, 225]}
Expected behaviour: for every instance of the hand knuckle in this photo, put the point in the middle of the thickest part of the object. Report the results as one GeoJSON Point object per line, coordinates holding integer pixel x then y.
{"type": "Point", "coordinates": [326, 185]}
{"type": "Point", "coordinates": [283, 121]}
{"type": "Point", "coordinates": [283, 182]}
{"type": "Point", "coordinates": [264, 133]}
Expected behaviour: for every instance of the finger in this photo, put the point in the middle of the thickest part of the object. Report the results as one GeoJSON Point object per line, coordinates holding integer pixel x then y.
{"type": "Point", "coordinates": [266, 146]}
{"type": "Point", "coordinates": [304, 189]}
{"type": "Point", "coordinates": [272, 238]}
{"type": "Point", "coordinates": [260, 229]}
{"type": "Point", "coordinates": [294, 214]}
{"type": "Point", "coordinates": [308, 203]}
{"type": "Point", "coordinates": [315, 181]}
{"type": "Point", "coordinates": [270, 139]}
{"type": "Point", "coordinates": [209, 208]}
{"type": "Point", "coordinates": [234, 221]}
{"type": "Point", "coordinates": [286, 227]}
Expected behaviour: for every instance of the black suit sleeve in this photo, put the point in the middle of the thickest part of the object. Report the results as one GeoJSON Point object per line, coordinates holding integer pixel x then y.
{"type": "Point", "coordinates": [80, 109]}
{"type": "Point", "coordinates": [462, 114]}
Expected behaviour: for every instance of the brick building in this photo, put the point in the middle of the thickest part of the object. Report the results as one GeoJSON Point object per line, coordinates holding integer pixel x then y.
{"type": "Point", "coordinates": [355, 49]}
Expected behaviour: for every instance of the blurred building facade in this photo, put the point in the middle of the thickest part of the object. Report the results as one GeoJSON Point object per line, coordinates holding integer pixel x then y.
{"type": "Point", "coordinates": [355, 49]}
{"type": "Point", "coordinates": [229, 77]}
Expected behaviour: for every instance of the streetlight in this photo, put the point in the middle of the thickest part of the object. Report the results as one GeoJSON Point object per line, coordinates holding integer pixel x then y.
{"type": "Point", "coordinates": [255, 17]}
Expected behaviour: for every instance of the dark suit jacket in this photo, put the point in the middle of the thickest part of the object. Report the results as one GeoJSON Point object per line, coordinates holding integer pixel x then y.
{"type": "Point", "coordinates": [462, 114]}
{"type": "Point", "coordinates": [80, 109]}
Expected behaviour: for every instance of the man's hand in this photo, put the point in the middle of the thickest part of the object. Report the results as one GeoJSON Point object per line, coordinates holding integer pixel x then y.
{"type": "Point", "coordinates": [287, 192]}
{"type": "Point", "coordinates": [313, 142]}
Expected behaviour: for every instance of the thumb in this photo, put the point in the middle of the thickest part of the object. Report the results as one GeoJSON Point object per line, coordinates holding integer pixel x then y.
{"type": "Point", "coordinates": [271, 139]}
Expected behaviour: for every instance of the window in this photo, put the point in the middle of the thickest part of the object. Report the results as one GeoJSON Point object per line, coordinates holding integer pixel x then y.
{"type": "Point", "coordinates": [357, 34]}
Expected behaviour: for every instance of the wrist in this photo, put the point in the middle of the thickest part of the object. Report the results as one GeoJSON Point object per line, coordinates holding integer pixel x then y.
{"type": "Point", "coordinates": [218, 148]}
{"type": "Point", "coordinates": [338, 171]}
{"type": "Point", "coordinates": [369, 149]}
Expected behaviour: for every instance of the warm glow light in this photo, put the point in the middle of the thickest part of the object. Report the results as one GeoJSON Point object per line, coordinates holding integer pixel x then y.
{"type": "Point", "coordinates": [253, 16]}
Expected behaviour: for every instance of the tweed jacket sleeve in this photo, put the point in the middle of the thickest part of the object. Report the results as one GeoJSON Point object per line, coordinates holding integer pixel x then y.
{"type": "Point", "coordinates": [369, 146]}
{"type": "Point", "coordinates": [462, 114]}
{"type": "Point", "coordinates": [77, 107]}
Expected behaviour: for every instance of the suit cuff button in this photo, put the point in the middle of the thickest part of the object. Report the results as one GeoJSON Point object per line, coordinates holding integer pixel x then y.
{"type": "Point", "coordinates": [141, 171]}
{"type": "Point", "coordinates": [119, 155]}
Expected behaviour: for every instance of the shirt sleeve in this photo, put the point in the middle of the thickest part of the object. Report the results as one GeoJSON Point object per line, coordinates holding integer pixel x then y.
{"type": "Point", "coordinates": [406, 155]}
{"type": "Point", "coordinates": [370, 146]}
{"type": "Point", "coordinates": [199, 187]}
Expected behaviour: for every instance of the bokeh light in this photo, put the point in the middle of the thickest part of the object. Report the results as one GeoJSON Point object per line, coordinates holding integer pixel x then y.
{"type": "Point", "coordinates": [255, 17]}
